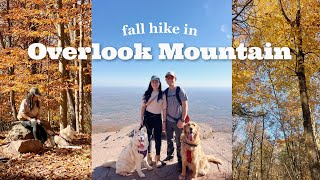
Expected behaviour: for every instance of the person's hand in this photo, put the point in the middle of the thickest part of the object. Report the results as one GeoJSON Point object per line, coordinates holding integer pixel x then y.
{"type": "Point", "coordinates": [180, 124]}
{"type": "Point", "coordinates": [38, 121]}
{"type": "Point", "coordinates": [164, 126]}
{"type": "Point", "coordinates": [141, 122]}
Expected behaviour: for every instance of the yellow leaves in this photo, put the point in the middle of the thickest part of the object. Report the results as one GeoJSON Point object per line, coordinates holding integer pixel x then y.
{"type": "Point", "coordinates": [52, 164]}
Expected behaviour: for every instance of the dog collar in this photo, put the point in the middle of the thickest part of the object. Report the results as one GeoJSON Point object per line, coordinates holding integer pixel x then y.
{"type": "Point", "coordinates": [144, 153]}
{"type": "Point", "coordinates": [192, 145]}
{"type": "Point", "coordinates": [64, 138]}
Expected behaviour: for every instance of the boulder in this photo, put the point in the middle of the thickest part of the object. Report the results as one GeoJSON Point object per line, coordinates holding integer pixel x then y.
{"type": "Point", "coordinates": [24, 146]}
{"type": "Point", "coordinates": [18, 132]}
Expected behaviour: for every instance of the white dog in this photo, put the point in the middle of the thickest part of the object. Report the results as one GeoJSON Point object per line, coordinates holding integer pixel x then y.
{"type": "Point", "coordinates": [64, 138]}
{"type": "Point", "coordinates": [132, 155]}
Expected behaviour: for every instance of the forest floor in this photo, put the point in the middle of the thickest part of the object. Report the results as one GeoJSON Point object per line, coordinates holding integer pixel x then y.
{"type": "Point", "coordinates": [51, 163]}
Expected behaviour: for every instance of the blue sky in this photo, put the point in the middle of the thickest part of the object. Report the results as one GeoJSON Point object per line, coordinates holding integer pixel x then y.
{"type": "Point", "coordinates": [212, 19]}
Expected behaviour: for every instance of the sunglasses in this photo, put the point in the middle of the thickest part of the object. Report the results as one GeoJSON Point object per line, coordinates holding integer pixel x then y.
{"type": "Point", "coordinates": [169, 77]}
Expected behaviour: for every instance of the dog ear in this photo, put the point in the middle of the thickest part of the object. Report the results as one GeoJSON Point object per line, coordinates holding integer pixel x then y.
{"type": "Point", "coordinates": [144, 129]}
{"type": "Point", "coordinates": [185, 129]}
{"type": "Point", "coordinates": [198, 131]}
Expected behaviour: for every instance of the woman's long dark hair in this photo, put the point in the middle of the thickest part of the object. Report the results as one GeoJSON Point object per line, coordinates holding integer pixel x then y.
{"type": "Point", "coordinates": [30, 102]}
{"type": "Point", "coordinates": [148, 92]}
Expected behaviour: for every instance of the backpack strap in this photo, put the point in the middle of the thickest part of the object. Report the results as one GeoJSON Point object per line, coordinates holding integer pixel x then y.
{"type": "Point", "coordinates": [177, 94]}
{"type": "Point", "coordinates": [166, 93]}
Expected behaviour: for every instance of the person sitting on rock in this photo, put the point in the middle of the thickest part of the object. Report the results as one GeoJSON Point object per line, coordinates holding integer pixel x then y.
{"type": "Point", "coordinates": [29, 114]}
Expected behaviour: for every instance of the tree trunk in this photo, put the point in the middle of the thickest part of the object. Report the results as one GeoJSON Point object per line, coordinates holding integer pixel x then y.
{"type": "Point", "coordinates": [310, 144]}
{"type": "Point", "coordinates": [72, 113]}
{"type": "Point", "coordinates": [75, 41]}
{"type": "Point", "coordinates": [13, 104]}
{"type": "Point", "coordinates": [62, 70]}
{"type": "Point", "coordinates": [309, 138]}
{"type": "Point", "coordinates": [261, 146]}
{"type": "Point", "coordinates": [76, 108]}
{"type": "Point", "coordinates": [81, 101]}
{"type": "Point", "coordinates": [251, 151]}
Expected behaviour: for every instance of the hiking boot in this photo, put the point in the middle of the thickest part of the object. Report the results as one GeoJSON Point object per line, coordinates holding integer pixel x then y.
{"type": "Point", "coordinates": [168, 158]}
{"type": "Point", "coordinates": [179, 167]}
{"type": "Point", "coordinates": [157, 160]}
{"type": "Point", "coordinates": [149, 159]}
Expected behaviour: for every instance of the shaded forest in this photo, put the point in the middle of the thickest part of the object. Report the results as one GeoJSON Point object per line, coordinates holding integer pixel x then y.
{"type": "Point", "coordinates": [276, 109]}
{"type": "Point", "coordinates": [65, 84]}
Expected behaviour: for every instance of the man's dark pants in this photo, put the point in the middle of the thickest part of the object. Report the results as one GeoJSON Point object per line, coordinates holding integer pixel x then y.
{"type": "Point", "coordinates": [170, 128]}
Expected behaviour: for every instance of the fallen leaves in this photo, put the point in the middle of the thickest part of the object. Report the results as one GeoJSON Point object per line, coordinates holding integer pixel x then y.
{"type": "Point", "coordinates": [52, 163]}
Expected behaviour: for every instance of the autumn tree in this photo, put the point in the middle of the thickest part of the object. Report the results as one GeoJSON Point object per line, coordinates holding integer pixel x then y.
{"type": "Point", "coordinates": [54, 24]}
{"type": "Point", "coordinates": [286, 91]}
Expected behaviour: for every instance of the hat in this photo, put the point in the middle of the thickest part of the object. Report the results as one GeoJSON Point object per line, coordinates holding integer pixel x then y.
{"type": "Point", "coordinates": [35, 91]}
{"type": "Point", "coordinates": [171, 73]}
{"type": "Point", "coordinates": [155, 78]}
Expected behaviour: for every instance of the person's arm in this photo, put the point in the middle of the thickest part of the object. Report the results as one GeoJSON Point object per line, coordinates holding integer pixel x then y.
{"type": "Point", "coordinates": [22, 114]}
{"type": "Point", "coordinates": [184, 110]}
{"type": "Point", "coordinates": [164, 112]}
{"type": "Point", "coordinates": [181, 122]}
{"type": "Point", "coordinates": [25, 116]}
{"type": "Point", "coordinates": [38, 115]}
{"type": "Point", "coordinates": [143, 108]}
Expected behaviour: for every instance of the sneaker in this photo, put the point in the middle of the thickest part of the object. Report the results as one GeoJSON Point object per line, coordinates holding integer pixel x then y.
{"type": "Point", "coordinates": [168, 158]}
{"type": "Point", "coordinates": [179, 167]}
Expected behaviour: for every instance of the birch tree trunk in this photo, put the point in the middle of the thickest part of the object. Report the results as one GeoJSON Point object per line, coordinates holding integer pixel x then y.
{"type": "Point", "coordinates": [62, 70]}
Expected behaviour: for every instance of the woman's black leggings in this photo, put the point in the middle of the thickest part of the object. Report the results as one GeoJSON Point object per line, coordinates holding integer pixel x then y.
{"type": "Point", "coordinates": [153, 123]}
{"type": "Point", "coordinates": [38, 131]}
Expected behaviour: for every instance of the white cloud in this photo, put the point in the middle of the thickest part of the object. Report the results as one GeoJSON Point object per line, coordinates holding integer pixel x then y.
{"type": "Point", "coordinates": [223, 28]}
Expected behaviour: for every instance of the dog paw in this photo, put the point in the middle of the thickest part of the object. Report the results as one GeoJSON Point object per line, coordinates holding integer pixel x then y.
{"type": "Point", "coordinates": [124, 174]}
{"type": "Point", "coordinates": [141, 174]}
{"type": "Point", "coordinates": [181, 177]}
{"type": "Point", "coordinates": [202, 172]}
{"type": "Point", "coordinates": [149, 168]}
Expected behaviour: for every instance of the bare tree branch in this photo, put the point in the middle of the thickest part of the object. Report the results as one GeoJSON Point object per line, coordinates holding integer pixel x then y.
{"type": "Point", "coordinates": [284, 13]}
{"type": "Point", "coordinates": [243, 8]}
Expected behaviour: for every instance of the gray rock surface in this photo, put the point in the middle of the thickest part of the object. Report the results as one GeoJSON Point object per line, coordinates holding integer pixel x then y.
{"type": "Point", "coordinates": [107, 146]}
{"type": "Point", "coordinates": [18, 132]}
{"type": "Point", "coordinates": [24, 146]}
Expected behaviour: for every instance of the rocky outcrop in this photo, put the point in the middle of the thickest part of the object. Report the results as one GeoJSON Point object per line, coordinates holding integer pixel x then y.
{"type": "Point", "coordinates": [107, 146]}
{"type": "Point", "coordinates": [18, 132]}
{"type": "Point", "coordinates": [24, 146]}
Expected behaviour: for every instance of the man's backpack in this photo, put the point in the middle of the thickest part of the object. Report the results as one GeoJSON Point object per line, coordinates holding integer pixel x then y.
{"type": "Point", "coordinates": [179, 100]}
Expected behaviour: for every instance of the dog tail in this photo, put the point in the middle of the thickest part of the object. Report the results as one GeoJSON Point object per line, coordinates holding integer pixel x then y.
{"type": "Point", "coordinates": [213, 159]}
{"type": "Point", "coordinates": [71, 147]}
{"type": "Point", "coordinates": [110, 163]}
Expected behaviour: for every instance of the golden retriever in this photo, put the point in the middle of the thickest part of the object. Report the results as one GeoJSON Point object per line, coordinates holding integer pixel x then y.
{"type": "Point", "coordinates": [192, 154]}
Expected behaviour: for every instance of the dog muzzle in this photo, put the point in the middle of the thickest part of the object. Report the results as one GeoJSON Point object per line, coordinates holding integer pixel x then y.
{"type": "Point", "coordinates": [190, 136]}
{"type": "Point", "coordinates": [141, 144]}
